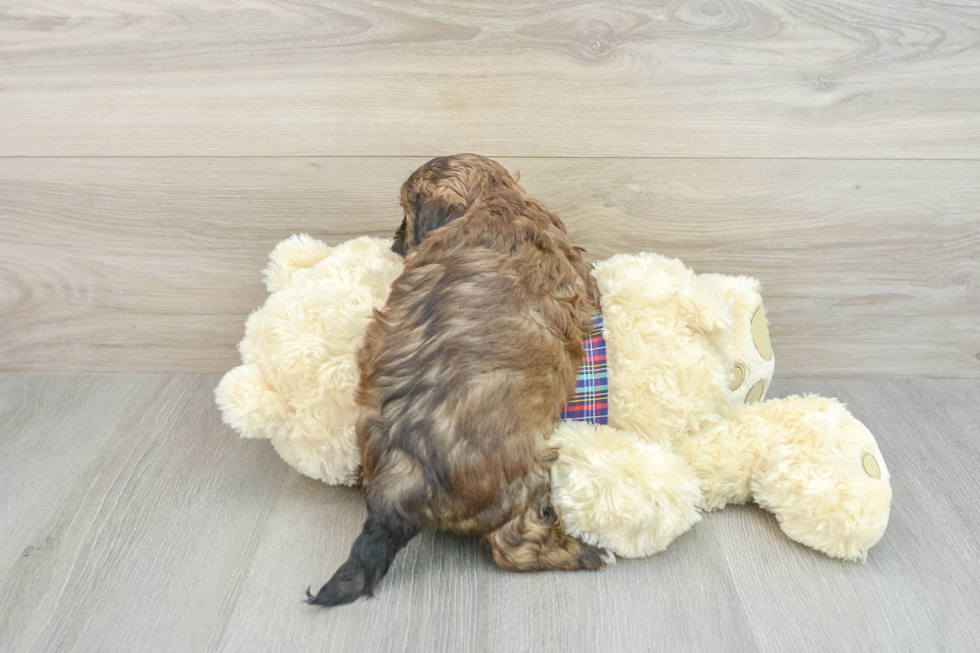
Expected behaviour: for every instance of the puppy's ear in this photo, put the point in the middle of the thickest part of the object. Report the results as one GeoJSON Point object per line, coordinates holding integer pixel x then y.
{"type": "Point", "coordinates": [400, 246]}
{"type": "Point", "coordinates": [430, 214]}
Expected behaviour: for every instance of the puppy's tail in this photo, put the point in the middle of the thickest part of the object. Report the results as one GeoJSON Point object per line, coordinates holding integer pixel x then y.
{"type": "Point", "coordinates": [383, 536]}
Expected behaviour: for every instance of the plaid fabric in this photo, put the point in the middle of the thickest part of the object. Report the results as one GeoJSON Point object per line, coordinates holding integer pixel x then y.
{"type": "Point", "coordinates": [590, 403]}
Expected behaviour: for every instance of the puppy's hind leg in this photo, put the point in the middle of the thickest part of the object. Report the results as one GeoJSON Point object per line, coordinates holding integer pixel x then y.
{"type": "Point", "coordinates": [535, 542]}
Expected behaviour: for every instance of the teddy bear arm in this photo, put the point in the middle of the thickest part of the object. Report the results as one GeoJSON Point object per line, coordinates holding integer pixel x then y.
{"type": "Point", "coordinates": [612, 489]}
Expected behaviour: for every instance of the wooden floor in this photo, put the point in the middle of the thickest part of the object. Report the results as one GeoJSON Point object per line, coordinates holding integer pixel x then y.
{"type": "Point", "coordinates": [132, 519]}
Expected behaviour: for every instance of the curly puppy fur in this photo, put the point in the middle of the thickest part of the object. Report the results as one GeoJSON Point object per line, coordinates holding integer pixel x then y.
{"type": "Point", "coordinates": [464, 374]}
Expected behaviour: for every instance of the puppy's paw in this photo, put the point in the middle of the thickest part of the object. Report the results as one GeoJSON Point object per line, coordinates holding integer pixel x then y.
{"type": "Point", "coordinates": [608, 557]}
{"type": "Point", "coordinates": [591, 557]}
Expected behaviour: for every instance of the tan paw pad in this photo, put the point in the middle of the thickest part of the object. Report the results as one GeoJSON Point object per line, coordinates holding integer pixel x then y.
{"type": "Point", "coordinates": [760, 334]}
{"type": "Point", "coordinates": [739, 374]}
{"type": "Point", "coordinates": [870, 465]}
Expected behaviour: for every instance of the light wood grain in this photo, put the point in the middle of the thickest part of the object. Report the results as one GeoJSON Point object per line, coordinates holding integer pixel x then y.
{"type": "Point", "coordinates": [134, 520]}
{"type": "Point", "coordinates": [33, 409]}
{"type": "Point", "coordinates": [703, 78]}
{"type": "Point", "coordinates": [445, 594]}
{"type": "Point", "coordinates": [869, 267]}
{"type": "Point", "coordinates": [127, 540]}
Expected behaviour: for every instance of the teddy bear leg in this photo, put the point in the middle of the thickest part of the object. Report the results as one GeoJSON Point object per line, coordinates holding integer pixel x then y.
{"type": "Point", "coordinates": [722, 459]}
{"type": "Point", "coordinates": [612, 489]}
{"type": "Point", "coordinates": [821, 473]}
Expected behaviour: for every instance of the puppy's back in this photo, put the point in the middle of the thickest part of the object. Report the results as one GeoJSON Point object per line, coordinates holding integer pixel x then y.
{"type": "Point", "coordinates": [468, 366]}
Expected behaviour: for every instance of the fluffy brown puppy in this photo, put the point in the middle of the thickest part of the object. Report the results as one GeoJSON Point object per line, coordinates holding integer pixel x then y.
{"type": "Point", "coordinates": [464, 373]}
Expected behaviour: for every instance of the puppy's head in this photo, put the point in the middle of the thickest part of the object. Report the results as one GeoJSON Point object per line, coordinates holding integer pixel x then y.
{"type": "Point", "coordinates": [441, 191]}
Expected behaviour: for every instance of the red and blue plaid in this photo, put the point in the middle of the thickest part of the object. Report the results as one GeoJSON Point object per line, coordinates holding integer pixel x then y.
{"type": "Point", "coordinates": [590, 403]}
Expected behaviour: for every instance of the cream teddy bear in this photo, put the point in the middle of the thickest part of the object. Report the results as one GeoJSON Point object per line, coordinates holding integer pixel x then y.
{"type": "Point", "coordinates": [688, 361]}
{"type": "Point", "coordinates": [689, 357]}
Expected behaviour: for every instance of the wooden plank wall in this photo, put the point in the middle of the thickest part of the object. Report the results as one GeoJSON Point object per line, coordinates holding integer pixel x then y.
{"type": "Point", "coordinates": [151, 154]}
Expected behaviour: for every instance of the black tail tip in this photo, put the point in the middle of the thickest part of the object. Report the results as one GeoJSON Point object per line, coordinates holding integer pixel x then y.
{"type": "Point", "coordinates": [346, 586]}
{"type": "Point", "coordinates": [328, 598]}
{"type": "Point", "coordinates": [372, 553]}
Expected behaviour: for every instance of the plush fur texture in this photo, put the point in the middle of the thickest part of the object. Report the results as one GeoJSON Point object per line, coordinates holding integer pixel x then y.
{"type": "Point", "coordinates": [669, 338]}
{"type": "Point", "coordinates": [679, 440]}
{"type": "Point", "coordinates": [464, 373]}
{"type": "Point", "coordinates": [801, 459]}
{"type": "Point", "coordinates": [298, 375]}
{"type": "Point", "coordinates": [617, 491]}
